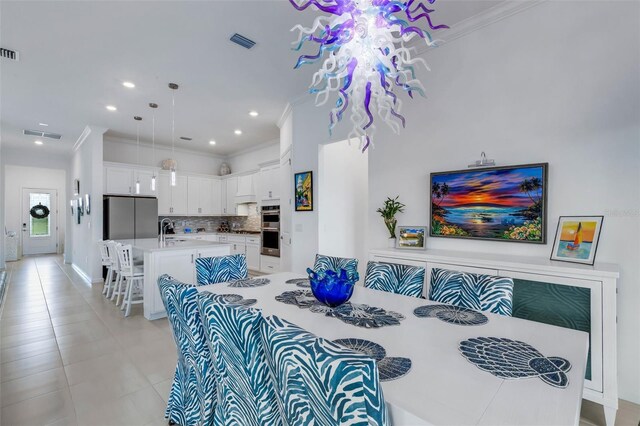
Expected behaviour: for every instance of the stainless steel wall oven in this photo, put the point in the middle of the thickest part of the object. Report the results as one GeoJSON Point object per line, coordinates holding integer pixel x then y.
{"type": "Point", "coordinates": [270, 231]}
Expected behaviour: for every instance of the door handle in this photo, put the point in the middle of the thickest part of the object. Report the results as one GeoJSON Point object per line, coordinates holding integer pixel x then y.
{"type": "Point", "coordinates": [191, 257]}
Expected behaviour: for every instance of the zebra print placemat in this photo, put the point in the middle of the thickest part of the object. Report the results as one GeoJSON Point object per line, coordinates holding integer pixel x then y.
{"type": "Point", "coordinates": [300, 282]}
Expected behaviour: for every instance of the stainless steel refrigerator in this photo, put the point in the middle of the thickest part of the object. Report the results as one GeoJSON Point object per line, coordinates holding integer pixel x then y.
{"type": "Point", "coordinates": [128, 218]}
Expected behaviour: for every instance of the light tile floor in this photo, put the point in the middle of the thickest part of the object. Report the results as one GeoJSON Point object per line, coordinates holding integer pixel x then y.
{"type": "Point", "coordinates": [68, 356]}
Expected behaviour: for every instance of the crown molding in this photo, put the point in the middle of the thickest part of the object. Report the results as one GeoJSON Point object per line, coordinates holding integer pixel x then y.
{"type": "Point", "coordinates": [493, 15]}
{"type": "Point", "coordinates": [83, 137]}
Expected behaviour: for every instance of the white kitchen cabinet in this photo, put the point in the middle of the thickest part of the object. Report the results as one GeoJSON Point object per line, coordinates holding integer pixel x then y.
{"type": "Point", "coordinates": [230, 207]}
{"type": "Point", "coordinates": [118, 180]}
{"type": "Point", "coordinates": [245, 186]}
{"type": "Point", "coordinates": [172, 200]}
{"type": "Point", "coordinates": [216, 197]}
{"type": "Point", "coordinates": [253, 256]}
{"type": "Point", "coordinates": [231, 185]}
{"type": "Point", "coordinates": [200, 195]}
{"type": "Point", "coordinates": [144, 176]}
{"type": "Point", "coordinates": [163, 187]}
{"type": "Point", "coordinates": [269, 183]}
{"type": "Point", "coordinates": [269, 264]}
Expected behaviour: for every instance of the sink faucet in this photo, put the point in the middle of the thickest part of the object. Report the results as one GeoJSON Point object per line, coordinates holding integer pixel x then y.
{"type": "Point", "coordinates": [162, 225]}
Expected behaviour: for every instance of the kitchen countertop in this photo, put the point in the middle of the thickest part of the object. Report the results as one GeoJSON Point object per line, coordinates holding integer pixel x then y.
{"type": "Point", "coordinates": [187, 234]}
{"type": "Point", "coordinates": [153, 244]}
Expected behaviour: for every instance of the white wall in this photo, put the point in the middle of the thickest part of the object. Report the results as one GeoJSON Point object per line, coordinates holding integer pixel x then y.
{"type": "Point", "coordinates": [250, 160]}
{"type": "Point", "coordinates": [559, 84]}
{"type": "Point", "coordinates": [124, 151]}
{"type": "Point", "coordinates": [343, 187]}
{"type": "Point", "coordinates": [86, 165]}
{"type": "Point", "coordinates": [19, 177]}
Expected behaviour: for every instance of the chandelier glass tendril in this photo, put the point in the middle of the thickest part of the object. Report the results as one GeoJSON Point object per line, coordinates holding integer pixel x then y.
{"type": "Point", "coordinates": [367, 58]}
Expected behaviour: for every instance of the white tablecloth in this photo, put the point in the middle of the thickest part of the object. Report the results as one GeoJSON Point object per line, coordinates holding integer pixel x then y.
{"type": "Point", "coordinates": [442, 387]}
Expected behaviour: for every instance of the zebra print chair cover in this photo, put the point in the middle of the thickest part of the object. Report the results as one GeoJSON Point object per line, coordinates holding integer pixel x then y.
{"type": "Point", "coordinates": [319, 382]}
{"type": "Point", "coordinates": [213, 270]}
{"type": "Point", "coordinates": [329, 263]}
{"type": "Point", "coordinates": [246, 395]}
{"type": "Point", "coordinates": [193, 393]}
{"type": "Point", "coordinates": [395, 278]}
{"type": "Point", "coordinates": [474, 291]}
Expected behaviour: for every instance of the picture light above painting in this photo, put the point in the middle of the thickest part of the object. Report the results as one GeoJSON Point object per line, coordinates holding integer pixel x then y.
{"type": "Point", "coordinates": [495, 203]}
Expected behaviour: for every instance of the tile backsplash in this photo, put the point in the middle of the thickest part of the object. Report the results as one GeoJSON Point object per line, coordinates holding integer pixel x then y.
{"type": "Point", "coordinates": [211, 223]}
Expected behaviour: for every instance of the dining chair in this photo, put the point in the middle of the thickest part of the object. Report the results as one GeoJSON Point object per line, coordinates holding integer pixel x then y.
{"type": "Point", "coordinates": [192, 398]}
{"type": "Point", "coordinates": [133, 276]}
{"type": "Point", "coordinates": [320, 382]}
{"type": "Point", "coordinates": [213, 270]}
{"type": "Point", "coordinates": [245, 389]}
{"type": "Point", "coordinates": [106, 262]}
{"type": "Point", "coordinates": [474, 291]}
{"type": "Point", "coordinates": [395, 278]}
{"type": "Point", "coordinates": [325, 263]}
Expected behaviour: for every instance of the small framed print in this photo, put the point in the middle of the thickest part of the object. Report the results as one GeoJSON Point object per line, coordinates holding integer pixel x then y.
{"type": "Point", "coordinates": [303, 194]}
{"type": "Point", "coordinates": [577, 239]}
{"type": "Point", "coordinates": [411, 237]}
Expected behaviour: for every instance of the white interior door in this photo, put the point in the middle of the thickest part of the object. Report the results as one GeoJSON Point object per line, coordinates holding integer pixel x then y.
{"type": "Point", "coordinates": [39, 234]}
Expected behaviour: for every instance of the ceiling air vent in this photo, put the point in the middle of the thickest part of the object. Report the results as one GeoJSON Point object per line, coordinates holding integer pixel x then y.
{"type": "Point", "coordinates": [242, 41]}
{"type": "Point", "coordinates": [9, 54]}
{"type": "Point", "coordinates": [41, 134]}
{"type": "Point", "coordinates": [184, 138]}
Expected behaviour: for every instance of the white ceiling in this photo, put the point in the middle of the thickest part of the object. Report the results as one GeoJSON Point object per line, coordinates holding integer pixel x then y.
{"type": "Point", "coordinates": [74, 56]}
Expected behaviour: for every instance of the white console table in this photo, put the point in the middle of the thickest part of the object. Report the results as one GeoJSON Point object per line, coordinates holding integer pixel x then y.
{"type": "Point", "coordinates": [586, 294]}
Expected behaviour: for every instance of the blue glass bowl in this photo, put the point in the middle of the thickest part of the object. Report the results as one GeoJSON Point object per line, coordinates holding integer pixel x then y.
{"type": "Point", "coordinates": [331, 288]}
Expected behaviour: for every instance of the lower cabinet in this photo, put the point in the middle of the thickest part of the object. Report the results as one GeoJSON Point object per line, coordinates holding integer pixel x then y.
{"type": "Point", "coordinates": [253, 256]}
{"type": "Point", "coordinates": [180, 264]}
{"type": "Point", "coordinates": [269, 264]}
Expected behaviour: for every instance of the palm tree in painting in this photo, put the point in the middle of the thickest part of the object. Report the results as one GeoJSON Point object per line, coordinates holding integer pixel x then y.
{"type": "Point", "coordinates": [440, 191]}
{"type": "Point", "coordinates": [532, 187]}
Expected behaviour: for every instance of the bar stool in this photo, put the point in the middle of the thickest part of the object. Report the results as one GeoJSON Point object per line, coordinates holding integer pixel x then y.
{"type": "Point", "coordinates": [106, 261]}
{"type": "Point", "coordinates": [115, 284]}
{"type": "Point", "coordinates": [133, 276]}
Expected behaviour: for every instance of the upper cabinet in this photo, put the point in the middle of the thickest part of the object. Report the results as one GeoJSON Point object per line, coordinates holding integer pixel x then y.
{"type": "Point", "coordinates": [246, 192]}
{"type": "Point", "coordinates": [118, 180]}
{"type": "Point", "coordinates": [121, 180]}
{"type": "Point", "coordinates": [269, 183]}
{"type": "Point", "coordinates": [204, 197]}
{"type": "Point", "coordinates": [172, 200]}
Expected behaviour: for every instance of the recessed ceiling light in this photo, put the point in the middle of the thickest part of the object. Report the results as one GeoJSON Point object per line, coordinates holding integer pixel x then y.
{"type": "Point", "coordinates": [128, 84]}
{"type": "Point", "coordinates": [43, 124]}
{"type": "Point", "coordinates": [38, 142]}
{"type": "Point", "coordinates": [253, 113]}
{"type": "Point", "coordinates": [237, 132]}
{"type": "Point", "coordinates": [212, 142]}
{"type": "Point", "coordinates": [111, 108]}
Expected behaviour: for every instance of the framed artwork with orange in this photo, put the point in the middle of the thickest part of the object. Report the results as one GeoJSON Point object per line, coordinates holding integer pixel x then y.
{"type": "Point", "coordinates": [577, 239]}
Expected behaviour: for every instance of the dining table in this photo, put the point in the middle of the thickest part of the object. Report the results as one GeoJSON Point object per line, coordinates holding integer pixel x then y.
{"type": "Point", "coordinates": [438, 364]}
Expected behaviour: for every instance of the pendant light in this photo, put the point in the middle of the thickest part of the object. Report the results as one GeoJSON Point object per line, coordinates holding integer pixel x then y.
{"type": "Point", "coordinates": [153, 146]}
{"type": "Point", "coordinates": [173, 87]}
{"type": "Point", "coordinates": [138, 120]}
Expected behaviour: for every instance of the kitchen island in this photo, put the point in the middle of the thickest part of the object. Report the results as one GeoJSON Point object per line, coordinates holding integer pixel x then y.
{"type": "Point", "coordinates": [175, 257]}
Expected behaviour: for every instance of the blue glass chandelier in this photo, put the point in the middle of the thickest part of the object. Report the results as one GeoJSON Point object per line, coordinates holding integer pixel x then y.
{"type": "Point", "coordinates": [367, 58]}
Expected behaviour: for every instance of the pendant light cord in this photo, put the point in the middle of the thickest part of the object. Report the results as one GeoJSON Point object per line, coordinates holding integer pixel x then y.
{"type": "Point", "coordinates": [173, 124]}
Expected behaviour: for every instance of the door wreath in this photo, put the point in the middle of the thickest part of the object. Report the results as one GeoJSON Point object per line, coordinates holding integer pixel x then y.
{"type": "Point", "coordinates": [39, 211]}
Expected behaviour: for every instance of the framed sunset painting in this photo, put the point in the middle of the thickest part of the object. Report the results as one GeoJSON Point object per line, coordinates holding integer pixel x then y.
{"type": "Point", "coordinates": [493, 203]}
{"type": "Point", "coordinates": [577, 239]}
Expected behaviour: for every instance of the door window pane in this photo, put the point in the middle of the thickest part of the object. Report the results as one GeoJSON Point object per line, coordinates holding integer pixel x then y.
{"type": "Point", "coordinates": [40, 227]}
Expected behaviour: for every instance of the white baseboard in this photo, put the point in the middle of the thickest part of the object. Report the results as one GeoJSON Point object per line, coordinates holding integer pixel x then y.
{"type": "Point", "coordinates": [82, 274]}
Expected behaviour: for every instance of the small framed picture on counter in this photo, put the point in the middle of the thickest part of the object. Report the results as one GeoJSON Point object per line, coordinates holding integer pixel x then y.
{"type": "Point", "coordinates": [411, 237]}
